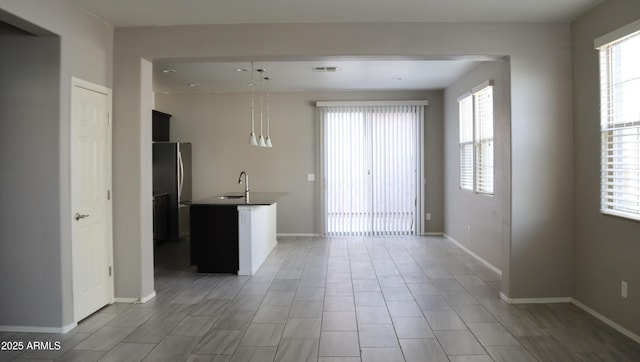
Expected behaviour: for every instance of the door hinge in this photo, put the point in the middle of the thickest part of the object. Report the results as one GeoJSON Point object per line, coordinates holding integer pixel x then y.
{"type": "Point", "coordinates": [108, 194]}
{"type": "Point", "coordinates": [109, 271]}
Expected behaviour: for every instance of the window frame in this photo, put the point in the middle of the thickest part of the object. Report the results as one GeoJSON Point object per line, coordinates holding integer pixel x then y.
{"type": "Point", "coordinates": [473, 132]}
{"type": "Point", "coordinates": [420, 181]}
{"type": "Point", "coordinates": [619, 132]}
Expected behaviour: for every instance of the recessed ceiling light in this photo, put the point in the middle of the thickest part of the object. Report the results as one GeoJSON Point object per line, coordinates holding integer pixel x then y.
{"type": "Point", "coordinates": [397, 78]}
{"type": "Point", "coordinates": [169, 71]}
{"type": "Point", "coordinates": [242, 70]}
{"type": "Point", "coordinates": [194, 84]}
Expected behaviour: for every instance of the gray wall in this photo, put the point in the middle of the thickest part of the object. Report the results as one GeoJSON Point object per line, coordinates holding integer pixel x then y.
{"type": "Point", "coordinates": [30, 206]}
{"type": "Point", "coordinates": [218, 126]}
{"type": "Point", "coordinates": [539, 257]}
{"type": "Point", "coordinates": [35, 207]}
{"type": "Point", "coordinates": [479, 222]}
{"type": "Point", "coordinates": [540, 253]}
{"type": "Point", "coordinates": [606, 248]}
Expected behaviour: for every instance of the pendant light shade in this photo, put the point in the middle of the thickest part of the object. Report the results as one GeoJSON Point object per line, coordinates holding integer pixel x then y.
{"type": "Point", "coordinates": [252, 139]}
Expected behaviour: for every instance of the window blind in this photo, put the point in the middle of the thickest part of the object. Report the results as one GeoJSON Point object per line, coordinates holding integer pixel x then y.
{"type": "Point", "coordinates": [370, 163]}
{"type": "Point", "coordinates": [483, 115]}
{"type": "Point", "coordinates": [620, 126]}
{"type": "Point", "coordinates": [475, 112]}
{"type": "Point", "coordinates": [465, 106]}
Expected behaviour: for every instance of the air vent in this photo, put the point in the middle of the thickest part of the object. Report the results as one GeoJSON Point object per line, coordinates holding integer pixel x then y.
{"type": "Point", "coordinates": [325, 69]}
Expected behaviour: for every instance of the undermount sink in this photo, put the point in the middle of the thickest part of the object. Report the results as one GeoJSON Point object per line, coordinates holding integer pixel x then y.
{"type": "Point", "coordinates": [227, 197]}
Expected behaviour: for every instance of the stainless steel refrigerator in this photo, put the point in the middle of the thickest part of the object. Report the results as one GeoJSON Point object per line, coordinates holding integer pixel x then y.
{"type": "Point", "coordinates": [172, 175]}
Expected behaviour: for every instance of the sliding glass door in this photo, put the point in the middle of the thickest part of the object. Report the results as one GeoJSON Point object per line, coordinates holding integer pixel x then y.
{"type": "Point", "coordinates": [371, 167]}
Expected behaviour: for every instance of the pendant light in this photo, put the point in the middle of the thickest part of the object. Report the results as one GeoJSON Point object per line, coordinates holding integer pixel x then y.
{"type": "Point", "coordinates": [261, 142]}
{"type": "Point", "coordinates": [252, 136]}
{"type": "Point", "coordinates": [268, 140]}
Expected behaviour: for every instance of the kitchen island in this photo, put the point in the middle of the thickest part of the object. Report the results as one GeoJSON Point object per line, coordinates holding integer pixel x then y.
{"type": "Point", "coordinates": [231, 233]}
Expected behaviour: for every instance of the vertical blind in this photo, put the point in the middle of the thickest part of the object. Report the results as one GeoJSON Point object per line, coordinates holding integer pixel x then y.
{"type": "Point", "coordinates": [370, 166]}
{"type": "Point", "coordinates": [620, 127]}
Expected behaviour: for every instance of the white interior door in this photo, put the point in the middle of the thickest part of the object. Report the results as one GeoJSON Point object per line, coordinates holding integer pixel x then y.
{"type": "Point", "coordinates": [92, 245]}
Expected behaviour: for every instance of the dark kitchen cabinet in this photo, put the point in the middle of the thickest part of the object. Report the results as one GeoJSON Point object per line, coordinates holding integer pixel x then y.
{"type": "Point", "coordinates": [160, 126]}
{"type": "Point", "coordinates": [214, 238]}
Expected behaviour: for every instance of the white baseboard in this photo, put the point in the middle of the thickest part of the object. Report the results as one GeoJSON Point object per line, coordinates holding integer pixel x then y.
{"type": "Point", "coordinates": [127, 300]}
{"type": "Point", "coordinates": [534, 300]}
{"type": "Point", "coordinates": [287, 234]}
{"type": "Point", "coordinates": [136, 300]}
{"type": "Point", "coordinates": [476, 256]}
{"type": "Point", "coordinates": [433, 234]}
{"type": "Point", "coordinates": [29, 329]}
{"type": "Point", "coordinates": [148, 297]}
{"type": "Point", "coordinates": [607, 321]}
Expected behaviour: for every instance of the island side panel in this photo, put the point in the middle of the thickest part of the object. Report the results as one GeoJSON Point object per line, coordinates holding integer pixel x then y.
{"type": "Point", "coordinates": [264, 226]}
{"type": "Point", "coordinates": [214, 238]}
{"type": "Point", "coordinates": [244, 239]}
{"type": "Point", "coordinates": [257, 236]}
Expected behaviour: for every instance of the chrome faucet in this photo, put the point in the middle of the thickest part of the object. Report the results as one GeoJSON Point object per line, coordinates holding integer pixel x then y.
{"type": "Point", "coordinates": [246, 184]}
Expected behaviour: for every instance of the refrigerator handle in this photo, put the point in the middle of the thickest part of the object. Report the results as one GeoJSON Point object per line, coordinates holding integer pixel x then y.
{"type": "Point", "coordinates": [180, 176]}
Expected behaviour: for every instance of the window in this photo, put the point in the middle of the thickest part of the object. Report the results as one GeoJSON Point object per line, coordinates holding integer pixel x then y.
{"type": "Point", "coordinates": [371, 167]}
{"type": "Point", "coordinates": [476, 140]}
{"type": "Point", "coordinates": [620, 123]}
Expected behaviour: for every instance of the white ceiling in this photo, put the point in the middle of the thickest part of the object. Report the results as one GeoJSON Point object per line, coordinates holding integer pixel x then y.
{"type": "Point", "coordinates": [297, 75]}
{"type": "Point", "coordinates": [354, 74]}
{"type": "Point", "coordinates": [191, 12]}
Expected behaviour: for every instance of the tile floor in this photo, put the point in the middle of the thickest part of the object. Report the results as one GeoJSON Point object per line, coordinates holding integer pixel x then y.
{"type": "Point", "coordinates": [332, 299]}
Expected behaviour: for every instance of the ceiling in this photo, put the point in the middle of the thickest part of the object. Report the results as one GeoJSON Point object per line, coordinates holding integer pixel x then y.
{"type": "Point", "coordinates": [298, 75]}
{"type": "Point", "coordinates": [332, 75]}
{"type": "Point", "coordinates": [190, 12]}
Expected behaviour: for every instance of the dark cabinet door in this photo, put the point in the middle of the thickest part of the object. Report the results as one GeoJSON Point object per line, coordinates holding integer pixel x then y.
{"type": "Point", "coordinates": [214, 238]}
{"type": "Point", "coordinates": [160, 126]}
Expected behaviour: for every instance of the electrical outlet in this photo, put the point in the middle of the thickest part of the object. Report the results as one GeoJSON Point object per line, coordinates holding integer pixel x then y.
{"type": "Point", "coordinates": [428, 216]}
{"type": "Point", "coordinates": [623, 289]}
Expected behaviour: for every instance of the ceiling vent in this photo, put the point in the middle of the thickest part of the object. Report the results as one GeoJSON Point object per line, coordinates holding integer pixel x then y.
{"type": "Point", "coordinates": [325, 69]}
